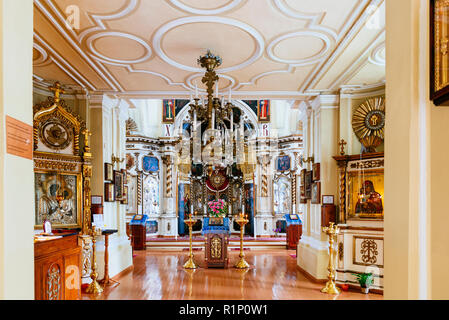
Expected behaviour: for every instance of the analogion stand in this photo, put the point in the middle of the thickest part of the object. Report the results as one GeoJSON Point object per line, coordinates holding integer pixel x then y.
{"type": "Point", "coordinates": [107, 281]}
{"type": "Point", "coordinates": [294, 230]}
{"type": "Point", "coordinates": [216, 232]}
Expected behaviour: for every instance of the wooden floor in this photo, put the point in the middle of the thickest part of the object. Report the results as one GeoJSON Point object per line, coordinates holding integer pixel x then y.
{"type": "Point", "coordinates": [159, 275]}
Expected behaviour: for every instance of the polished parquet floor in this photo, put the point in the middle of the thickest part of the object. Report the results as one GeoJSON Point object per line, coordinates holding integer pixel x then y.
{"type": "Point", "coordinates": [159, 275]}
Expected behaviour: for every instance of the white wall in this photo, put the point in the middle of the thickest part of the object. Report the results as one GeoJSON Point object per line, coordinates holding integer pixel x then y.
{"type": "Point", "coordinates": [148, 116]}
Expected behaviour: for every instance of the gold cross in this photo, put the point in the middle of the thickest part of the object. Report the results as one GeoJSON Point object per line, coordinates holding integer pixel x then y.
{"type": "Point", "coordinates": [342, 146]}
{"type": "Point", "coordinates": [56, 88]}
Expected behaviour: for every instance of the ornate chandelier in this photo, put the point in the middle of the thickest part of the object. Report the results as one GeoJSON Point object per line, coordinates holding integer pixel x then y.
{"type": "Point", "coordinates": [213, 129]}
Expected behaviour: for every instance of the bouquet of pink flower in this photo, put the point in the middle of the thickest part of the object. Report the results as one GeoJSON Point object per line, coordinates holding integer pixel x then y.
{"type": "Point", "coordinates": [217, 208]}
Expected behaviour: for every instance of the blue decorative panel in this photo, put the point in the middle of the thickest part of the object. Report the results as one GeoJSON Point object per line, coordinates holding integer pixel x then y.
{"type": "Point", "coordinates": [152, 226]}
{"type": "Point", "coordinates": [284, 163]}
{"type": "Point", "coordinates": [150, 164]}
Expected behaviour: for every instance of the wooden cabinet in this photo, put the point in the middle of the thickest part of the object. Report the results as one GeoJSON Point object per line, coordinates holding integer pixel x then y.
{"type": "Point", "coordinates": [328, 214]}
{"type": "Point", "coordinates": [294, 233]}
{"type": "Point", "coordinates": [57, 269]}
{"type": "Point", "coordinates": [216, 255]}
{"type": "Point", "coordinates": [139, 237]}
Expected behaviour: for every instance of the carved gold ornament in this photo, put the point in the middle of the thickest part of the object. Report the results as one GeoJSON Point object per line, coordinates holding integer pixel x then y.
{"type": "Point", "coordinates": [55, 124]}
{"type": "Point", "coordinates": [215, 249]}
{"type": "Point", "coordinates": [53, 283]}
{"type": "Point", "coordinates": [368, 123]}
{"type": "Point", "coordinates": [369, 251]}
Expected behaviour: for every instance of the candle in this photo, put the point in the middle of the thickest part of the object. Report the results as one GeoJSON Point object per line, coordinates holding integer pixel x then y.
{"type": "Point", "coordinates": [213, 118]}
{"type": "Point", "coordinates": [232, 124]}
{"type": "Point", "coordinates": [222, 101]}
{"type": "Point", "coordinates": [196, 90]}
{"type": "Point", "coordinates": [216, 89]}
{"type": "Point", "coordinates": [243, 209]}
{"type": "Point", "coordinates": [230, 95]}
{"type": "Point", "coordinates": [191, 209]}
{"type": "Point", "coordinates": [194, 120]}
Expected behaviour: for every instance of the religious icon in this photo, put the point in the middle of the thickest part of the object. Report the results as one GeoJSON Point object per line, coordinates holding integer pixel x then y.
{"type": "Point", "coordinates": [168, 111]}
{"type": "Point", "coordinates": [263, 110]}
{"type": "Point", "coordinates": [109, 192]}
{"type": "Point", "coordinates": [56, 135]}
{"type": "Point", "coordinates": [316, 172]}
{"type": "Point", "coordinates": [119, 185]}
{"type": "Point", "coordinates": [56, 199]}
{"type": "Point", "coordinates": [308, 184]}
{"type": "Point", "coordinates": [369, 201]}
{"type": "Point", "coordinates": [284, 163]}
{"type": "Point", "coordinates": [108, 172]}
{"type": "Point", "coordinates": [316, 193]}
{"type": "Point", "coordinates": [150, 164]}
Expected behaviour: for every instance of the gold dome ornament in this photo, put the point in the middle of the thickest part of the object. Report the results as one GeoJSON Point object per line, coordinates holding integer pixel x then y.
{"type": "Point", "coordinates": [368, 123]}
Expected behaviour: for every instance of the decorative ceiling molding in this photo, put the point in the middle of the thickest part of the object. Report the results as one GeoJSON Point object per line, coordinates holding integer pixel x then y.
{"type": "Point", "coordinates": [223, 9]}
{"type": "Point", "coordinates": [160, 33]}
{"type": "Point", "coordinates": [329, 43]}
{"type": "Point", "coordinates": [358, 64]}
{"type": "Point", "coordinates": [334, 39]}
{"type": "Point", "coordinates": [43, 59]}
{"type": "Point", "coordinates": [119, 62]}
{"type": "Point", "coordinates": [61, 27]}
{"type": "Point", "coordinates": [376, 57]}
{"type": "Point", "coordinates": [354, 25]}
{"type": "Point", "coordinates": [64, 65]}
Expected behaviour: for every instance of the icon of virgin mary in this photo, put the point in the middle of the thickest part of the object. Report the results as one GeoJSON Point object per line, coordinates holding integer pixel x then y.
{"type": "Point", "coordinates": [369, 201]}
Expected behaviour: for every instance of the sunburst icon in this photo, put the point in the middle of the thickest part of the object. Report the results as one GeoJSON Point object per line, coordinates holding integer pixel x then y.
{"type": "Point", "coordinates": [368, 123]}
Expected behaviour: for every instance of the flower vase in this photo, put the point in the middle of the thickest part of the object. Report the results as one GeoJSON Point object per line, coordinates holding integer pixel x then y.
{"type": "Point", "coordinates": [364, 290]}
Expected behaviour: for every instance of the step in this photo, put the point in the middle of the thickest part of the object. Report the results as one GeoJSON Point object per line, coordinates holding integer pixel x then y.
{"type": "Point", "coordinates": [252, 244]}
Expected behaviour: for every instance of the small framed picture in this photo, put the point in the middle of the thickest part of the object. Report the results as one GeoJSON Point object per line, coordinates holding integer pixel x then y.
{"type": "Point", "coordinates": [328, 199]}
{"type": "Point", "coordinates": [308, 184]}
{"type": "Point", "coordinates": [97, 200]}
{"type": "Point", "coordinates": [316, 172]}
{"type": "Point", "coordinates": [294, 217]}
{"type": "Point", "coordinates": [119, 185]}
{"type": "Point", "coordinates": [303, 176]}
{"type": "Point", "coordinates": [316, 193]}
{"type": "Point", "coordinates": [125, 196]}
{"type": "Point", "coordinates": [109, 194]}
{"type": "Point", "coordinates": [108, 172]}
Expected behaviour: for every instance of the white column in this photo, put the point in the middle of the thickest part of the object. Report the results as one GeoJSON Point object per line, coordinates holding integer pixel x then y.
{"type": "Point", "coordinates": [16, 173]}
{"type": "Point", "coordinates": [416, 220]}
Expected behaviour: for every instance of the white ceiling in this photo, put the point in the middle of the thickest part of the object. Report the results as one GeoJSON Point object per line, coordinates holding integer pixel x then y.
{"type": "Point", "coordinates": [289, 49]}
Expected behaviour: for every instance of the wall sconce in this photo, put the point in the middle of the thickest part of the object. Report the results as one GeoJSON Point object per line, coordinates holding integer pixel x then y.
{"type": "Point", "coordinates": [115, 159]}
{"type": "Point", "coordinates": [306, 160]}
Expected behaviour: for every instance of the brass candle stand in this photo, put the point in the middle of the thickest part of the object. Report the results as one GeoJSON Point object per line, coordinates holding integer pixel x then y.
{"type": "Point", "coordinates": [94, 286]}
{"type": "Point", "coordinates": [330, 287]}
{"type": "Point", "coordinates": [190, 264]}
{"type": "Point", "coordinates": [242, 264]}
